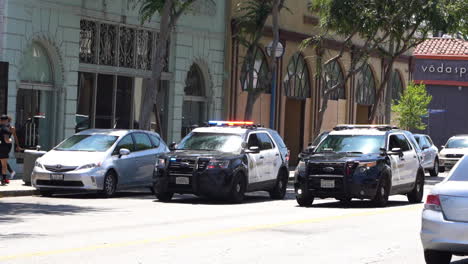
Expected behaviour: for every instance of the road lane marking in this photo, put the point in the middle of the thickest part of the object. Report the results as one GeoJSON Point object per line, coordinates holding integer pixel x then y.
{"type": "Point", "coordinates": [208, 233]}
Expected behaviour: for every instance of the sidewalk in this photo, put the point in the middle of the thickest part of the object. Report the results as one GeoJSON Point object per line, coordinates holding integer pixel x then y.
{"type": "Point", "coordinates": [17, 188]}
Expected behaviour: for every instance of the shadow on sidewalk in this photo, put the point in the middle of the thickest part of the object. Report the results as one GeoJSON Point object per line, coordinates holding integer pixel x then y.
{"type": "Point", "coordinates": [11, 212]}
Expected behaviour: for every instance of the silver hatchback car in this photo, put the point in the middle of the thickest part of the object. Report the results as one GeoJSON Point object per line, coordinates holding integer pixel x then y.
{"type": "Point", "coordinates": [99, 160]}
{"type": "Point", "coordinates": [444, 229]}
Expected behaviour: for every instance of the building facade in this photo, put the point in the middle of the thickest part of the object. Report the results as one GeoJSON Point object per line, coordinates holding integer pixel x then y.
{"type": "Point", "coordinates": [78, 64]}
{"type": "Point", "coordinates": [298, 90]}
{"type": "Point", "coordinates": [442, 65]}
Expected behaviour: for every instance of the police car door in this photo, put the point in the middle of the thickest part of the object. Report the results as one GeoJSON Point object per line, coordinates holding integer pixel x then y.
{"type": "Point", "coordinates": [395, 160]}
{"type": "Point", "coordinates": [255, 159]}
{"type": "Point", "coordinates": [272, 157]}
{"type": "Point", "coordinates": [410, 161]}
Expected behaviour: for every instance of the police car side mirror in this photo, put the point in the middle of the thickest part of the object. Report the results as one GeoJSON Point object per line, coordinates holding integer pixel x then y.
{"type": "Point", "coordinates": [253, 150]}
{"type": "Point", "coordinates": [443, 146]}
{"type": "Point", "coordinates": [172, 146]}
{"type": "Point", "coordinates": [395, 151]}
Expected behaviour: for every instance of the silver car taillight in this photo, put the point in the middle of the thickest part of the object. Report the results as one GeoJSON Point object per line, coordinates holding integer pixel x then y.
{"type": "Point", "coordinates": [433, 203]}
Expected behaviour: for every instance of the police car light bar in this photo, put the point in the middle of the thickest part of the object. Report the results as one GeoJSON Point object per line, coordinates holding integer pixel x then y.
{"type": "Point", "coordinates": [230, 123]}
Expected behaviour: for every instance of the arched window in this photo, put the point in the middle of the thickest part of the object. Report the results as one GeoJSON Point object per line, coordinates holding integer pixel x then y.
{"type": "Point", "coordinates": [365, 87]}
{"type": "Point", "coordinates": [396, 85]}
{"type": "Point", "coordinates": [36, 65]}
{"type": "Point", "coordinates": [296, 82]}
{"type": "Point", "coordinates": [194, 84]}
{"type": "Point", "coordinates": [334, 75]}
{"type": "Point", "coordinates": [195, 101]}
{"type": "Point", "coordinates": [257, 77]}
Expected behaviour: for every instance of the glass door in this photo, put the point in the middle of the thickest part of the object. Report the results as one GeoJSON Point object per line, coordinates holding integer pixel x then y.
{"type": "Point", "coordinates": [34, 118]}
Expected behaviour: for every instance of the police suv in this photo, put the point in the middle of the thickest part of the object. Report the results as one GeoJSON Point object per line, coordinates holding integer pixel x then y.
{"type": "Point", "coordinates": [224, 160]}
{"type": "Point", "coordinates": [365, 162]}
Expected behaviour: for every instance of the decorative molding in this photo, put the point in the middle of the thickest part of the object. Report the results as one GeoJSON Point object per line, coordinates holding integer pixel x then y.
{"type": "Point", "coordinates": [204, 8]}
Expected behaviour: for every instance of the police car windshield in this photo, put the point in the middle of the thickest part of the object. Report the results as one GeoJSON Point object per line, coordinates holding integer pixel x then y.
{"type": "Point", "coordinates": [457, 143]}
{"type": "Point", "coordinates": [364, 144]}
{"type": "Point", "coordinates": [211, 142]}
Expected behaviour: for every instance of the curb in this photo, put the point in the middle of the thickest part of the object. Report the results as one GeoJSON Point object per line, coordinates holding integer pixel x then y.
{"type": "Point", "coordinates": [17, 193]}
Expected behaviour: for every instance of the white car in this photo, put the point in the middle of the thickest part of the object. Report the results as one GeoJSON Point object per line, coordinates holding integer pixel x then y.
{"type": "Point", "coordinates": [444, 229]}
{"type": "Point", "coordinates": [453, 151]}
{"type": "Point", "coordinates": [100, 160]}
{"type": "Point", "coordinates": [429, 154]}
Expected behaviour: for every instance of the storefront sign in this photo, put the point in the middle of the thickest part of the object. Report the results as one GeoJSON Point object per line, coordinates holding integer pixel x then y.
{"type": "Point", "coordinates": [441, 70]}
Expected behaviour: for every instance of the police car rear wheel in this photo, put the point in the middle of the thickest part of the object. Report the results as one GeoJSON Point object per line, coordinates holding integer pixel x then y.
{"type": "Point", "coordinates": [165, 196]}
{"type": "Point", "coordinates": [305, 201]}
{"type": "Point", "coordinates": [238, 189]}
{"type": "Point", "coordinates": [416, 195]}
{"type": "Point", "coordinates": [279, 191]}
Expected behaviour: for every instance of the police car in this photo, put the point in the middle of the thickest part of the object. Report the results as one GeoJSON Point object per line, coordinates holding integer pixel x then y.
{"type": "Point", "coordinates": [226, 159]}
{"type": "Point", "coordinates": [364, 162]}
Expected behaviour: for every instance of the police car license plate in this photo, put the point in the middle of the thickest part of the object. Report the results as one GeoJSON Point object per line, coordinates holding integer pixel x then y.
{"type": "Point", "coordinates": [56, 177]}
{"type": "Point", "coordinates": [327, 183]}
{"type": "Point", "coordinates": [182, 180]}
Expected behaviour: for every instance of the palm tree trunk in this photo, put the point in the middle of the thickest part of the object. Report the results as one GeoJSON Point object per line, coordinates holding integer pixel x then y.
{"type": "Point", "coordinates": [158, 63]}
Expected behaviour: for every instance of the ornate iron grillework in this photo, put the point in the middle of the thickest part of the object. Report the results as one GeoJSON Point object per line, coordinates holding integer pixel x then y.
{"type": "Point", "coordinates": [87, 41]}
{"type": "Point", "coordinates": [113, 45]}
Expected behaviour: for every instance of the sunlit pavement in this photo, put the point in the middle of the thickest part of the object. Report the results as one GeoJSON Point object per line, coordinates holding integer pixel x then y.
{"type": "Point", "coordinates": [136, 228]}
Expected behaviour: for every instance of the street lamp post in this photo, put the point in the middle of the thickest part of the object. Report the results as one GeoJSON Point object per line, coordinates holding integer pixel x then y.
{"type": "Point", "coordinates": [278, 54]}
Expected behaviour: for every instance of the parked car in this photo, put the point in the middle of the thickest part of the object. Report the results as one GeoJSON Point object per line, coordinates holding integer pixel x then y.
{"type": "Point", "coordinates": [224, 160]}
{"type": "Point", "coordinates": [361, 161]}
{"type": "Point", "coordinates": [430, 154]}
{"type": "Point", "coordinates": [444, 229]}
{"type": "Point", "coordinates": [453, 151]}
{"type": "Point", "coordinates": [99, 160]}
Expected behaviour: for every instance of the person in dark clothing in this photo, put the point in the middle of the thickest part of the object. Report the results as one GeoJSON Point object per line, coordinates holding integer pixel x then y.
{"type": "Point", "coordinates": [5, 147]}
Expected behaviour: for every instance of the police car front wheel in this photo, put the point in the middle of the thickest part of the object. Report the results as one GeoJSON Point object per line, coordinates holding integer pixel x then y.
{"type": "Point", "coordinates": [237, 192]}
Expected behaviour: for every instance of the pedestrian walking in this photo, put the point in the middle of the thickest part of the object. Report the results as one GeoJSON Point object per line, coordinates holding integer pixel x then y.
{"type": "Point", "coordinates": [5, 147]}
{"type": "Point", "coordinates": [17, 144]}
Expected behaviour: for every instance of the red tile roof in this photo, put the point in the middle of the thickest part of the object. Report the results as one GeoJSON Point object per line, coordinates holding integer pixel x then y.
{"type": "Point", "coordinates": [442, 46]}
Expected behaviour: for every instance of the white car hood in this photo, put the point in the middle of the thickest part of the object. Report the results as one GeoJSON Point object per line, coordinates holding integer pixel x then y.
{"type": "Point", "coordinates": [71, 158]}
{"type": "Point", "coordinates": [446, 151]}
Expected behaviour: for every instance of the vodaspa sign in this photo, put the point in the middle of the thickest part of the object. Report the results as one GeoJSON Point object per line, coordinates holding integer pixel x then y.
{"type": "Point", "coordinates": [441, 70]}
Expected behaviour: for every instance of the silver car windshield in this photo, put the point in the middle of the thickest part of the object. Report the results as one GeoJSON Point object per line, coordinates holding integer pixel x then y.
{"type": "Point", "coordinates": [90, 143]}
{"type": "Point", "coordinates": [211, 142]}
{"type": "Point", "coordinates": [459, 174]}
{"type": "Point", "coordinates": [364, 144]}
{"type": "Point", "coordinates": [457, 143]}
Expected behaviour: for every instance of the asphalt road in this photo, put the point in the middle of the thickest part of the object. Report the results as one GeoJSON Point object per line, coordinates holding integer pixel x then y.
{"type": "Point", "coordinates": [136, 228]}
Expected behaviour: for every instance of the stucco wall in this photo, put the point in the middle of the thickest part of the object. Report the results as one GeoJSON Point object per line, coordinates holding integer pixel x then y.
{"type": "Point", "coordinates": [200, 40]}
{"type": "Point", "coordinates": [2, 24]}
{"type": "Point", "coordinates": [55, 24]}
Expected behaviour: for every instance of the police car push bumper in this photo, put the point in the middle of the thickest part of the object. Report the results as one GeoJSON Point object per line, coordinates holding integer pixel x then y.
{"type": "Point", "coordinates": [211, 177]}
{"type": "Point", "coordinates": [360, 180]}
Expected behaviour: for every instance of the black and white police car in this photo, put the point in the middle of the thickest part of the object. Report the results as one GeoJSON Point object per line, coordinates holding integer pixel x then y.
{"type": "Point", "coordinates": [361, 161]}
{"type": "Point", "coordinates": [226, 159]}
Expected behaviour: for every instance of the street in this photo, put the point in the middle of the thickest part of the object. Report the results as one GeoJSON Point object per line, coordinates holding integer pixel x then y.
{"type": "Point", "coordinates": [136, 228]}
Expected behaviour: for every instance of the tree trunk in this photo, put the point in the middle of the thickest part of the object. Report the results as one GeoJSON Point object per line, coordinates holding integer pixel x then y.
{"type": "Point", "coordinates": [158, 63]}
{"type": "Point", "coordinates": [381, 92]}
{"type": "Point", "coordinates": [251, 99]}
